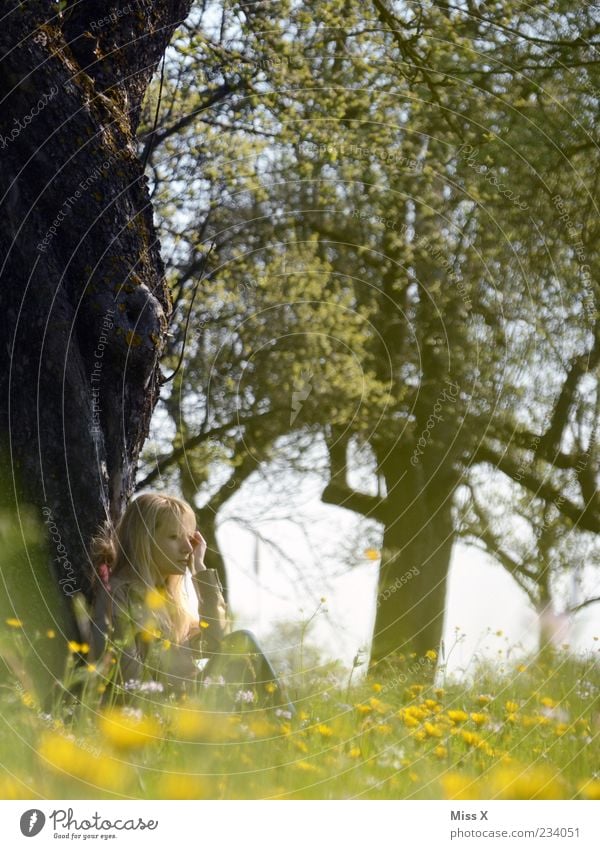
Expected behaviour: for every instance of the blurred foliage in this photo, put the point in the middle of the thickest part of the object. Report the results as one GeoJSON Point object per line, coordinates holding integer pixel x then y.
{"type": "Point", "coordinates": [32, 606]}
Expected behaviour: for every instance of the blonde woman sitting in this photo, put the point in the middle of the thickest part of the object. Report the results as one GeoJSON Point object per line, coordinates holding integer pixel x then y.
{"type": "Point", "coordinates": [141, 618]}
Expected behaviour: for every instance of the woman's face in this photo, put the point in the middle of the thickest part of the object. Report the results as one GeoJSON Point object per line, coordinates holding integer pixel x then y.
{"type": "Point", "coordinates": [172, 548]}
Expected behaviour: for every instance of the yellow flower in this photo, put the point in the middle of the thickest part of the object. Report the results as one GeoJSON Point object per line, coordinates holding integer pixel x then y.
{"type": "Point", "coordinates": [364, 708]}
{"type": "Point", "coordinates": [14, 623]}
{"type": "Point", "coordinates": [27, 699]}
{"type": "Point", "coordinates": [588, 789]}
{"type": "Point", "coordinates": [125, 730]}
{"type": "Point", "coordinates": [440, 752]}
{"type": "Point", "coordinates": [484, 699]}
{"type": "Point", "coordinates": [439, 693]}
{"type": "Point", "coordinates": [91, 667]}
{"type": "Point", "coordinates": [185, 787]}
{"type": "Point", "coordinates": [519, 782]}
{"type": "Point", "coordinates": [457, 715]}
{"type": "Point", "coordinates": [81, 648]}
{"type": "Point", "coordinates": [457, 786]}
{"type": "Point", "coordinates": [355, 752]}
{"type": "Point", "coordinates": [377, 688]}
{"type": "Point", "coordinates": [324, 730]}
{"type": "Point", "coordinates": [50, 634]}
{"type": "Point", "coordinates": [270, 687]}
{"type": "Point", "coordinates": [511, 707]}
{"type": "Point", "coordinates": [479, 718]}
{"type": "Point", "coordinates": [432, 730]}
{"type": "Point", "coordinates": [521, 667]}
{"type": "Point", "coordinates": [155, 598]}
{"type": "Point", "coordinates": [485, 747]}
{"type": "Point", "coordinates": [410, 721]}
{"type": "Point", "coordinates": [11, 788]}
{"type": "Point", "coordinates": [301, 746]}
{"type": "Point", "coordinates": [204, 623]}
{"type": "Point", "coordinates": [305, 766]}
{"type": "Point", "coordinates": [548, 702]}
{"type": "Point", "coordinates": [470, 738]}
{"type": "Point", "coordinates": [383, 728]}
{"type": "Point", "coordinates": [372, 554]}
{"type": "Point", "coordinates": [150, 632]}
{"type": "Point", "coordinates": [194, 723]}
{"type": "Point", "coordinates": [65, 756]}
{"type": "Point", "coordinates": [166, 644]}
{"type": "Point", "coordinates": [431, 654]}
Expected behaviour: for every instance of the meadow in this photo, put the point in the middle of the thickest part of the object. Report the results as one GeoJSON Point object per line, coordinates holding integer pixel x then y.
{"type": "Point", "coordinates": [529, 731]}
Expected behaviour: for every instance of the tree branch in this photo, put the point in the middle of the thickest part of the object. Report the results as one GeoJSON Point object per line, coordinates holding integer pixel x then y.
{"type": "Point", "coordinates": [584, 517]}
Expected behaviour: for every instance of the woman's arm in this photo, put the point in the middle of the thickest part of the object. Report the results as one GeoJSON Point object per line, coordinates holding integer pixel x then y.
{"type": "Point", "coordinates": [212, 609]}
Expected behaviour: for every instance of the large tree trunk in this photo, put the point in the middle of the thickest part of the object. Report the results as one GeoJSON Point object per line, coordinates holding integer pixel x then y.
{"type": "Point", "coordinates": [83, 302]}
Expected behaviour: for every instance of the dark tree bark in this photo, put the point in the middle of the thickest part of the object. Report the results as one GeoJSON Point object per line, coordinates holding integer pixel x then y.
{"type": "Point", "coordinates": [83, 300]}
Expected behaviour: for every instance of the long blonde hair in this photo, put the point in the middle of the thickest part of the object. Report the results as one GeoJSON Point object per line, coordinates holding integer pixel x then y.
{"type": "Point", "coordinates": [127, 550]}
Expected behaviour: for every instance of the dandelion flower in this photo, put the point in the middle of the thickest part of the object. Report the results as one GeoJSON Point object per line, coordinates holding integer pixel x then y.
{"type": "Point", "coordinates": [431, 655]}
{"type": "Point", "coordinates": [457, 786]}
{"type": "Point", "coordinates": [588, 789]}
{"type": "Point", "coordinates": [470, 738]}
{"type": "Point", "coordinates": [372, 554]}
{"type": "Point", "coordinates": [128, 730]}
{"type": "Point", "coordinates": [77, 648]}
{"type": "Point", "coordinates": [50, 634]}
{"type": "Point", "coordinates": [440, 752]}
{"type": "Point", "coordinates": [457, 715]}
{"type": "Point", "coordinates": [517, 782]}
{"type": "Point", "coordinates": [155, 599]}
{"type": "Point", "coordinates": [479, 718]}
{"type": "Point", "coordinates": [14, 623]}
{"type": "Point", "coordinates": [305, 766]}
{"type": "Point", "coordinates": [325, 730]}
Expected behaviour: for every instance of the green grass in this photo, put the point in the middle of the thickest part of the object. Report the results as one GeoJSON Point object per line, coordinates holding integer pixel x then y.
{"type": "Point", "coordinates": [530, 733]}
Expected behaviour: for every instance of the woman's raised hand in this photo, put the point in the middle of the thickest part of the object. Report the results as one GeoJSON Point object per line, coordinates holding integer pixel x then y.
{"type": "Point", "coordinates": [199, 545]}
